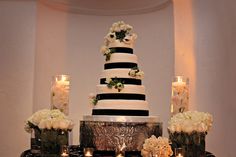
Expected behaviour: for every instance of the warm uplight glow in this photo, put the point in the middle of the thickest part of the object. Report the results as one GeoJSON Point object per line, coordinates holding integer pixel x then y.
{"type": "Point", "coordinates": [185, 59]}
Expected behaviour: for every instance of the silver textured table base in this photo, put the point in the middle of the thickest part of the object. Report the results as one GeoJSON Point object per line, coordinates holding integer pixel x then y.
{"type": "Point", "coordinates": [118, 132]}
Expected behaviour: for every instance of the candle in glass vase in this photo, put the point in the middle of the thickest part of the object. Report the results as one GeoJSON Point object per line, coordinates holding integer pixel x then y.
{"type": "Point", "coordinates": [88, 152]}
{"type": "Point", "coordinates": [60, 93]}
{"type": "Point", "coordinates": [180, 95]}
{"type": "Point", "coordinates": [64, 151]}
{"type": "Point", "coordinates": [179, 152]}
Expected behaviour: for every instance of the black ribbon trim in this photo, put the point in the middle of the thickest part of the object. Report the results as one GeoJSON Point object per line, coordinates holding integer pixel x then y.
{"type": "Point", "coordinates": [121, 50]}
{"type": "Point", "coordinates": [120, 65]}
{"type": "Point", "coordinates": [126, 96]}
{"type": "Point", "coordinates": [116, 112]}
{"type": "Point", "coordinates": [124, 81]}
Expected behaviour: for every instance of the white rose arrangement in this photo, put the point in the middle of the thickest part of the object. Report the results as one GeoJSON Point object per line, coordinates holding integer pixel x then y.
{"type": "Point", "coordinates": [190, 121]}
{"type": "Point", "coordinates": [159, 147]}
{"type": "Point", "coordinates": [49, 119]}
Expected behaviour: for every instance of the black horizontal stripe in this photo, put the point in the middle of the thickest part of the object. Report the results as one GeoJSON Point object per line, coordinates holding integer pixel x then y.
{"type": "Point", "coordinates": [120, 65]}
{"type": "Point", "coordinates": [121, 50]}
{"type": "Point", "coordinates": [126, 96]}
{"type": "Point", "coordinates": [125, 81]}
{"type": "Point", "coordinates": [116, 112]}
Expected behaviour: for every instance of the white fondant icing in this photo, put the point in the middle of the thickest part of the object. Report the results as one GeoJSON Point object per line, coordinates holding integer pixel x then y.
{"type": "Point", "coordinates": [122, 104]}
{"type": "Point", "coordinates": [123, 57]}
{"type": "Point", "coordinates": [120, 73]}
{"type": "Point", "coordinates": [117, 43]}
{"type": "Point", "coordinates": [137, 89]}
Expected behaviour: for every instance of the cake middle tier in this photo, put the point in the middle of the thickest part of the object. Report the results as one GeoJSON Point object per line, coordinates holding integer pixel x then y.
{"type": "Point", "coordinates": [119, 73]}
{"type": "Point", "coordinates": [137, 89]}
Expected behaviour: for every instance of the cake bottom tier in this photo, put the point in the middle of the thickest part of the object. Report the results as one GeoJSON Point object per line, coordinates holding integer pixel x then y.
{"type": "Point", "coordinates": [116, 133]}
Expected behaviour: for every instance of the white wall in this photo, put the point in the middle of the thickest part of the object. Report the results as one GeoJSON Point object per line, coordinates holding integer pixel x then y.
{"type": "Point", "coordinates": [55, 42]}
{"type": "Point", "coordinates": [17, 45]}
{"type": "Point", "coordinates": [70, 43]}
{"type": "Point", "coordinates": [205, 45]}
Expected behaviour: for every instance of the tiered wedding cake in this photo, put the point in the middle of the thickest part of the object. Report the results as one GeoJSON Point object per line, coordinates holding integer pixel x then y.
{"type": "Point", "coordinates": [120, 118]}
{"type": "Point", "coordinates": [120, 91]}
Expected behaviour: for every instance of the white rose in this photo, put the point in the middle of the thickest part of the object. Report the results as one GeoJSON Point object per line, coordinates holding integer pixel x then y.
{"type": "Point", "coordinates": [202, 128]}
{"type": "Point", "coordinates": [55, 124]}
{"type": "Point", "coordinates": [178, 128]}
{"type": "Point", "coordinates": [64, 124]}
{"type": "Point", "coordinates": [132, 73]}
{"type": "Point", "coordinates": [127, 40]}
{"type": "Point", "coordinates": [42, 124]}
{"type": "Point", "coordinates": [108, 80]}
{"type": "Point", "coordinates": [48, 124]}
{"type": "Point", "coordinates": [171, 129]}
{"type": "Point", "coordinates": [140, 74]}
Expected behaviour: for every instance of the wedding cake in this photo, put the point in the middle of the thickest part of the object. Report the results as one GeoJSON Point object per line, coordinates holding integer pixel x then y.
{"type": "Point", "coordinates": [120, 91]}
{"type": "Point", "coordinates": [120, 117]}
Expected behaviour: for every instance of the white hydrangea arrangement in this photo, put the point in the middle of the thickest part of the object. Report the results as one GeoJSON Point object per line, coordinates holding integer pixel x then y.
{"type": "Point", "coordinates": [119, 32]}
{"type": "Point", "coordinates": [159, 147]}
{"type": "Point", "coordinates": [190, 121]}
{"type": "Point", "coordinates": [49, 119]}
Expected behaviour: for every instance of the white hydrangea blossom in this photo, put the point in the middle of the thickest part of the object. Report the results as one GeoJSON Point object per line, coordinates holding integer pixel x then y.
{"type": "Point", "coordinates": [159, 147]}
{"type": "Point", "coordinates": [190, 121]}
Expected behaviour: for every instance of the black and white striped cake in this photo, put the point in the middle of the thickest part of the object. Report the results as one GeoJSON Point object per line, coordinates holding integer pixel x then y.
{"type": "Point", "coordinates": [120, 92]}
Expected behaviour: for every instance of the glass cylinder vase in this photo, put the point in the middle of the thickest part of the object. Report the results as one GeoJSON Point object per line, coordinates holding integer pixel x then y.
{"type": "Point", "coordinates": [193, 144]}
{"type": "Point", "coordinates": [60, 93]}
{"type": "Point", "coordinates": [52, 141]}
{"type": "Point", "coordinates": [180, 95]}
{"type": "Point", "coordinates": [35, 141]}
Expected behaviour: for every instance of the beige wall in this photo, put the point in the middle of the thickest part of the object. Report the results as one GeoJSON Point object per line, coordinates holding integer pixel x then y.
{"type": "Point", "coordinates": [205, 51]}
{"type": "Point", "coordinates": [17, 48]}
{"type": "Point", "coordinates": [37, 42]}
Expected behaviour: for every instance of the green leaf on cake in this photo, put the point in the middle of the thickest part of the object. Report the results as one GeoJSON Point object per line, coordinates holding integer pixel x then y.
{"type": "Point", "coordinates": [120, 35]}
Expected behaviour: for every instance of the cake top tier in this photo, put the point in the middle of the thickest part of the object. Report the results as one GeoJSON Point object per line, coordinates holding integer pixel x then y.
{"type": "Point", "coordinates": [119, 35]}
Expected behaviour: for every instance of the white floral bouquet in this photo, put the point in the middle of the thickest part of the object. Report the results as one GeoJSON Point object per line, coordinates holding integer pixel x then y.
{"type": "Point", "coordinates": [188, 130]}
{"type": "Point", "coordinates": [120, 32]}
{"type": "Point", "coordinates": [49, 119]}
{"type": "Point", "coordinates": [159, 147]}
{"type": "Point", "coordinates": [190, 121]}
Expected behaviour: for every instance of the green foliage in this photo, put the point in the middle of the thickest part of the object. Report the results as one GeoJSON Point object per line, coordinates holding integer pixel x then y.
{"type": "Point", "coordinates": [121, 35]}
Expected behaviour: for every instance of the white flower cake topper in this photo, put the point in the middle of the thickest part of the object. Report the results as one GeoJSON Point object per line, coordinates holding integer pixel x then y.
{"type": "Point", "coordinates": [119, 35]}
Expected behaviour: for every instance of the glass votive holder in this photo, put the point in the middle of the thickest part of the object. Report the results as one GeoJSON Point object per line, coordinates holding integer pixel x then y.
{"type": "Point", "coordinates": [88, 152]}
{"type": "Point", "coordinates": [60, 93]}
{"type": "Point", "coordinates": [179, 95]}
{"type": "Point", "coordinates": [64, 151]}
{"type": "Point", "coordinates": [179, 152]}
